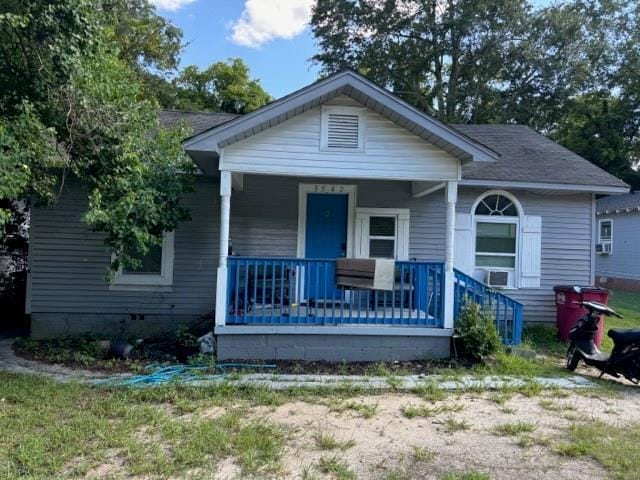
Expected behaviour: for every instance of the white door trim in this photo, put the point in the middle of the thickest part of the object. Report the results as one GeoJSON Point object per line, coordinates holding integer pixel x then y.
{"type": "Point", "coordinates": [327, 188]}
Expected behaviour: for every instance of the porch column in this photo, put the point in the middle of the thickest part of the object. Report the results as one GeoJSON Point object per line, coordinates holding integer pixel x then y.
{"type": "Point", "coordinates": [225, 213]}
{"type": "Point", "coordinates": [451, 196]}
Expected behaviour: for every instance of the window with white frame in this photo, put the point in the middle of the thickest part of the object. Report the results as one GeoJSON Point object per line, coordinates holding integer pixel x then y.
{"type": "Point", "coordinates": [496, 232]}
{"type": "Point", "coordinates": [382, 233]}
{"type": "Point", "coordinates": [605, 230]}
{"type": "Point", "coordinates": [343, 128]}
{"type": "Point", "coordinates": [155, 267]}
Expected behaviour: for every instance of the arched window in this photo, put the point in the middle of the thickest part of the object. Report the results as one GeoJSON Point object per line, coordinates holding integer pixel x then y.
{"type": "Point", "coordinates": [496, 232]}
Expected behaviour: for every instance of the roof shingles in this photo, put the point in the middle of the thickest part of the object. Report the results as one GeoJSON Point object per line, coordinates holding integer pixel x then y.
{"type": "Point", "coordinates": [525, 155]}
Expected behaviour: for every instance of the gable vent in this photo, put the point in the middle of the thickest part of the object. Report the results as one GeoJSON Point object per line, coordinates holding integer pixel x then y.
{"type": "Point", "coordinates": [342, 131]}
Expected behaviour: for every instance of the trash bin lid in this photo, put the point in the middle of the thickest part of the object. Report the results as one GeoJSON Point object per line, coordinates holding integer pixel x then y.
{"type": "Point", "coordinates": [585, 289]}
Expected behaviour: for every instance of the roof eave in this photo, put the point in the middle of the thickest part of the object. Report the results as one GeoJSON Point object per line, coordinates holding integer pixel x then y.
{"type": "Point", "coordinates": [598, 189]}
{"type": "Point", "coordinates": [334, 85]}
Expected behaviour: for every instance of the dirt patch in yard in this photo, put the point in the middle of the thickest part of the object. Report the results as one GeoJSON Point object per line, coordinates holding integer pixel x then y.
{"type": "Point", "coordinates": [503, 437]}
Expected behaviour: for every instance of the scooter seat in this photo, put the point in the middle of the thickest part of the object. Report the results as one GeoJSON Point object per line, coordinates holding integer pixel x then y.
{"type": "Point", "coordinates": [624, 336]}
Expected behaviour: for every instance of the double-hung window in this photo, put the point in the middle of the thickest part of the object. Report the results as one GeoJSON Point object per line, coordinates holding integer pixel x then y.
{"type": "Point", "coordinates": [382, 233]}
{"type": "Point", "coordinates": [496, 236]}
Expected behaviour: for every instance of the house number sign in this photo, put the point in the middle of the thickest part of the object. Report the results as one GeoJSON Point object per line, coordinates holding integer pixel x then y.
{"type": "Point", "coordinates": [322, 188]}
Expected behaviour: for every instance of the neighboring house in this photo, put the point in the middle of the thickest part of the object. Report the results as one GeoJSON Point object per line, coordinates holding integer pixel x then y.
{"type": "Point", "coordinates": [618, 242]}
{"type": "Point", "coordinates": [341, 168]}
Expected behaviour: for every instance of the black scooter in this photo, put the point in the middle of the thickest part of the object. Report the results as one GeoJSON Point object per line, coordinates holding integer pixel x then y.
{"type": "Point", "coordinates": [625, 357]}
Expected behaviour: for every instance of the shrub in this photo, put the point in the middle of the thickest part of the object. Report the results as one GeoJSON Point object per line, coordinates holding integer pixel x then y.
{"type": "Point", "coordinates": [477, 334]}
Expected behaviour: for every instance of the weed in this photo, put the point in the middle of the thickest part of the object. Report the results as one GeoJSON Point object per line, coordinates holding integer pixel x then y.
{"type": "Point", "coordinates": [421, 454]}
{"type": "Point", "coordinates": [412, 411]}
{"type": "Point", "coordinates": [465, 476]}
{"type": "Point", "coordinates": [452, 425]}
{"type": "Point", "coordinates": [512, 429]}
{"type": "Point", "coordinates": [430, 391]}
{"type": "Point", "coordinates": [554, 406]}
{"type": "Point", "coordinates": [526, 441]}
{"type": "Point", "coordinates": [336, 467]}
{"type": "Point", "coordinates": [365, 410]}
{"type": "Point", "coordinates": [501, 398]}
{"type": "Point", "coordinates": [508, 410]}
{"type": "Point", "coordinates": [328, 441]}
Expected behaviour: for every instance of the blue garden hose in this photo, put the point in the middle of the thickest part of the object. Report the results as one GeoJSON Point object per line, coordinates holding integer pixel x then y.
{"type": "Point", "coordinates": [175, 373]}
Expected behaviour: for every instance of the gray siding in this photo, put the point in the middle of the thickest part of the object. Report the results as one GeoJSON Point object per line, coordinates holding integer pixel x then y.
{"type": "Point", "coordinates": [69, 262]}
{"type": "Point", "coordinates": [264, 217]}
{"type": "Point", "coordinates": [566, 245]}
{"type": "Point", "coordinates": [624, 262]}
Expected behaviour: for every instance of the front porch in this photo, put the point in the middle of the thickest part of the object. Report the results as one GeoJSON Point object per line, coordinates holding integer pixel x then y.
{"type": "Point", "coordinates": [279, 305]}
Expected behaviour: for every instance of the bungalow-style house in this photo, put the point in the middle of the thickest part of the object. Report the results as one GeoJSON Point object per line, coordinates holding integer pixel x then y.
{"type": "Point", "coordinates": [341, 169]}
{"type": "Point", "coordinates": [618, 242]}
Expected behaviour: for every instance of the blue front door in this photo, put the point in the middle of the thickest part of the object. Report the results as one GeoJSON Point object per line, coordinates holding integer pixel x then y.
{"type": "Point", "coordinates": [326, 238]}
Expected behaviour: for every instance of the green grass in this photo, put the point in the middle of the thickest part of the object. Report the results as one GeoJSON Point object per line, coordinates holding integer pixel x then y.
{"type": "Point", "coordinates": [513, 429]}
{"type": "Point", "coordinates": [626, 304]}
{"type": "Point", "coordinates": [52, 430]}
{"type": "Point", "coordinates": [336, 467]}
{"type": "Point", "coordinates": [452, 425]}
{"type": "Point", "coordinates": [425, 411]}
{"type": "Point", "coordinates": [327, 441]}
{"type": "Point", "coordinates": [364, 410]}
{"type": "Point", "coordinates": [615, 448]}
{"type": "Point", "coordinates": [465, 476]}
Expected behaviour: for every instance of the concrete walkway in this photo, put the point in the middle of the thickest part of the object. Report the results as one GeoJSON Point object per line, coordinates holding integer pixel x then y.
{"type": "Point", "coordinates": [10, 362]}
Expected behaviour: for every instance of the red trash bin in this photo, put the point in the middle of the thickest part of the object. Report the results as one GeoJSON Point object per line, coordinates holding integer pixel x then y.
{"type": "Point", "coordinates": [568, 310]}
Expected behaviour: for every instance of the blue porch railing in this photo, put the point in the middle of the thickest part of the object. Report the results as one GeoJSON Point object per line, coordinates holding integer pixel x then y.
{"type": "Point", "coordinates": [286, 291]}
{"type": "Point", "coordinates": [507, 311]}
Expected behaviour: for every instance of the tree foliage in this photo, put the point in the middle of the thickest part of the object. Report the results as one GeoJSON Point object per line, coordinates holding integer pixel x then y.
{"type": "Point", "coordinates": [221, 87]}
{"type": "Point", "coordinates": [73, 107]}
{"type": "Point", "coordinates": [482, 61]}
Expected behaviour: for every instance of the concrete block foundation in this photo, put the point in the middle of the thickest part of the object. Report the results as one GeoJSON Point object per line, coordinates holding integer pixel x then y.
{"type": "Point", "coordinates": [331, 348]}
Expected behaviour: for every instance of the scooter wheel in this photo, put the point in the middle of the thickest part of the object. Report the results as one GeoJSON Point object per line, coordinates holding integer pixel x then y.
{"type": "Point", "coordinates": [573, 358]}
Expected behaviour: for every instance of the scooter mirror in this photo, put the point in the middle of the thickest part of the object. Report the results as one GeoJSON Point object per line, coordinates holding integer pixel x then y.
{"type": "Point", "coordinates": [577, 289]}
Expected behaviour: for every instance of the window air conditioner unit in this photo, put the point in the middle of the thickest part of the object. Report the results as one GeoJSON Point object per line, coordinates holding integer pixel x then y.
{"type": "Point", "coordinates": [497, 279]}
{"type": "Point", "coordinates": [603, 248]}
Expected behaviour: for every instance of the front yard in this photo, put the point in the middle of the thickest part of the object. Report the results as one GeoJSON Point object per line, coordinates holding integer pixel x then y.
{"type": "Point", "coordinates": [53, 430]}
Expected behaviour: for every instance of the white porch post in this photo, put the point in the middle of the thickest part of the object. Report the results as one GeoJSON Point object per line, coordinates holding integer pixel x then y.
{"type": "Point", "coordinates": [451, 196]}
{"type": "Point", "coordinates": [225, 213]}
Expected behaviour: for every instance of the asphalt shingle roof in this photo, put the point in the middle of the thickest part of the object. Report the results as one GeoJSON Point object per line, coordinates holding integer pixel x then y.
{"type": "Point", "coordinates": [618, 202]}
{"type": "Point", "coordinates": [525, 155]}
{"type": "Point", "coordinates": [198, 121]}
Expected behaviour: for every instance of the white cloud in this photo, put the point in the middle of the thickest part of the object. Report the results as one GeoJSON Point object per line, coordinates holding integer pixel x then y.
{"type": "Point", "coordinates": [264, 20]}
{"type": "Point", "coordinates": [171, 5]}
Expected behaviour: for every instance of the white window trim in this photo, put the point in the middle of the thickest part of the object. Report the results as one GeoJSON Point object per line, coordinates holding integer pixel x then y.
{"type": "Point", "coordinates": [600, 222]}
{"type": "Point", "coordinates": [515, 271]}
{"type": "Point", "coordinates": [146, 282]}
{"type": "Point", "coordinates": [331, 189]}
{"type": "Point", "coordinates": [600, 240]}
{"type": "Point", "coordinates": [324, 127]}
{"type": "Point", "coordinates": [401, 238]}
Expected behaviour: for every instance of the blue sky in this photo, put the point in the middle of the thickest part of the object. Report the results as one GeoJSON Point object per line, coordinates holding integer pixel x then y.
{"type": "Point", "coordinates": [271, 36]}
{"type": "Point", "coordinates": [219, 29]}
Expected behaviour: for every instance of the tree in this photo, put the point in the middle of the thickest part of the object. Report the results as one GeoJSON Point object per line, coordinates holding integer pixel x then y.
{"type": "Point", "coordinates": [595, 127]}
{"type": "Point", "coordinates": [501, 62]}
{"type": "Point", "coordinates": [76, 109]}
{"type": "Point", "coordinates": [221, 87]}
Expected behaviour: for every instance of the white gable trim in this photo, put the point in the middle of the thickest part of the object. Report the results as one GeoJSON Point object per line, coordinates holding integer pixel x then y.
{"type": "Point", "coordinates": [353, 85]}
